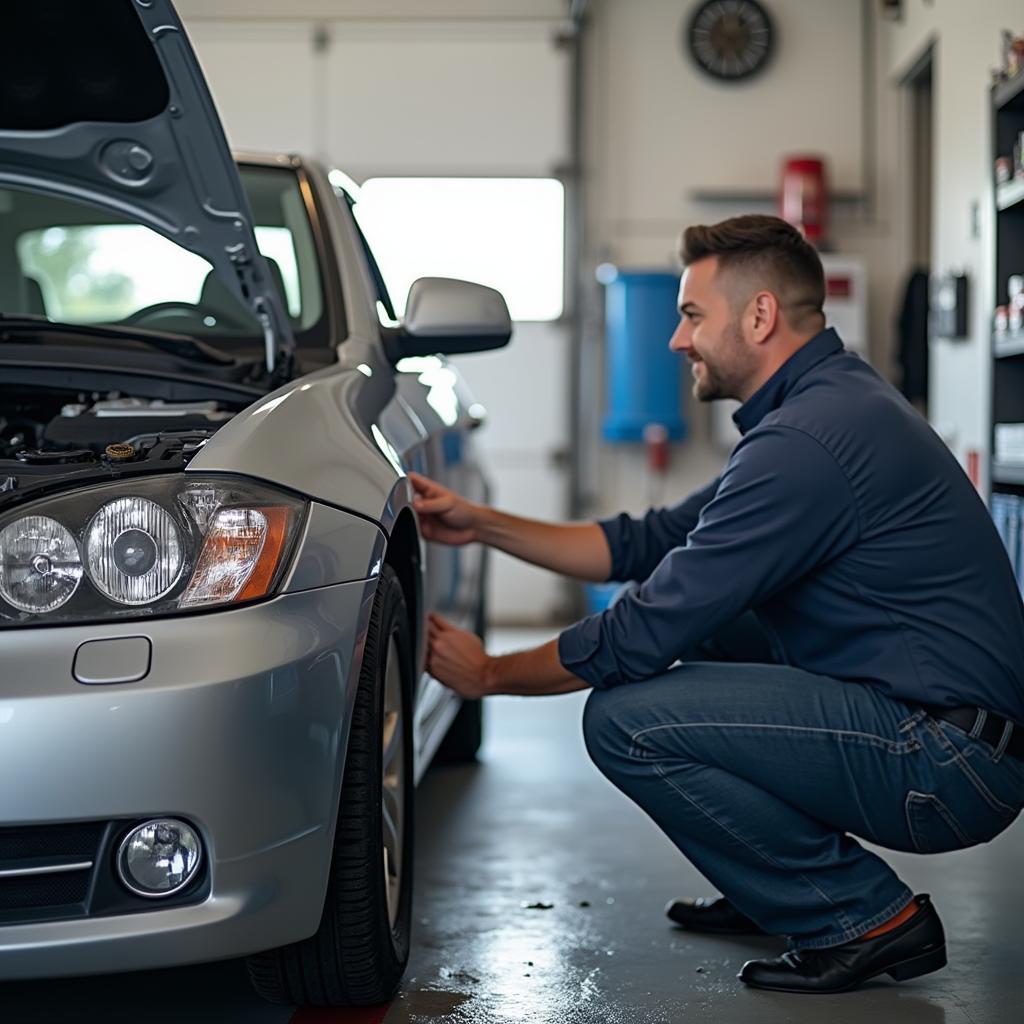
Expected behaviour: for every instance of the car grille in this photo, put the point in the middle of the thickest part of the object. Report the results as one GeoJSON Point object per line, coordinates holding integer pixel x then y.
{"type": "Point", "coordinates": [46, 870]}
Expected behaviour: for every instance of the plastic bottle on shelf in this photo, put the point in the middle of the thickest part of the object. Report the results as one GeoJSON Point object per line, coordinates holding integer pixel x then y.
{"type": "Point", "coordinates": [1015, 311]}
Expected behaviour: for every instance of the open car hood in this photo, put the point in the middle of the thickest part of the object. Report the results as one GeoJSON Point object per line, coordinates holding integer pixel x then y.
{"type": "Point", "coordinates": [105, 103]}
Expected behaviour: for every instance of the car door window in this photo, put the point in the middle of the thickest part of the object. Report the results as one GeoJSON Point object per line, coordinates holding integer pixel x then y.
{"type": "Point", "coordinates": [382, 295]}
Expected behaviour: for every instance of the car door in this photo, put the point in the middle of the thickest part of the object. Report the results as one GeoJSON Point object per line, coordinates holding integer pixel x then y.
{"type": "Point", "coordinates": [430, 391]}
{"type": "Point", "coordinates": [437, 395]}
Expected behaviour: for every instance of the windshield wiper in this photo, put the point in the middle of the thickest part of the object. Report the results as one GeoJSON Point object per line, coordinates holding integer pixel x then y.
{"type": "Point", "coordinates": [181, 345]}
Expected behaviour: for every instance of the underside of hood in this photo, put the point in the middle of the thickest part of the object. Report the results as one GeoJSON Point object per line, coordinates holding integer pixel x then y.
{"type": "Point", "coordinates": [105, 103]}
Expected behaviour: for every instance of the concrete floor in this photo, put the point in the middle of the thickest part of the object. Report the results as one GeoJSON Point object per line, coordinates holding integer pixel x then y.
{"type": "Point", "coordinates": [535, 823]}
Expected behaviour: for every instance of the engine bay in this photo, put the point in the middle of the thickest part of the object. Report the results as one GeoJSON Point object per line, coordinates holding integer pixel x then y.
{"type": "Point", "coordinates": [50, 436]}
{"type": "Point", "coordinates": [54, 421]}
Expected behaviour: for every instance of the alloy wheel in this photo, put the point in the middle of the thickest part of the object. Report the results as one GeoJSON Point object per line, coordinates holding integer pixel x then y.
{"type": "Point", "coordinates": [393, 780]}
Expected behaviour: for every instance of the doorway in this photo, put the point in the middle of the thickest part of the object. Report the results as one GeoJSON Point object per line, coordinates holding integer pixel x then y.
{"type": "Point", "coordinates": [912, 341]}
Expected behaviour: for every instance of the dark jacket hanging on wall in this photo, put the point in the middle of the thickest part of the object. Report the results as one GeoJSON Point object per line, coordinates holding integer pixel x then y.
{"type": "Point", "coordinates": [913, 338]}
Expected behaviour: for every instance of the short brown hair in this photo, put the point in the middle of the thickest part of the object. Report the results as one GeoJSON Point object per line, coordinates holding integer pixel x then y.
{"type": "Point", "coordinates": [770, 253]}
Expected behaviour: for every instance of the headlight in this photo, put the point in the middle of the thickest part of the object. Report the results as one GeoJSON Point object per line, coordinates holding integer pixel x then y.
{"type": "Point", "coordinates": [133, 549]}
{"type": "Point", "coordinates": [40, 567]}
{"type": "Point", "coordinates": [148, 545]}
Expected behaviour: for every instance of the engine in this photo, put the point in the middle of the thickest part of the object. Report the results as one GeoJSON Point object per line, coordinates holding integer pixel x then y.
{"type": "Point", "coordinates": [50, 437]}
{"type": "Point", "coordinates": [54, 422]}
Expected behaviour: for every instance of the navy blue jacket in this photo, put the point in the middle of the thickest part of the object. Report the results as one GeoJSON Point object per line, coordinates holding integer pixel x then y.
{"type": "Point", "coordinates": [843, 521]}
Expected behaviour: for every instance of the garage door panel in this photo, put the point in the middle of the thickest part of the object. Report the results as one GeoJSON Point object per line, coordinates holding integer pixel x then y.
{"type": "Point", "coordinates": [517, 591]}
{"type": "Point", "coordinates": [462, 98]}
{"type": "Point", "coordinates": [523, 389]}
{"type": "Point", "coordinates": [263, 78]}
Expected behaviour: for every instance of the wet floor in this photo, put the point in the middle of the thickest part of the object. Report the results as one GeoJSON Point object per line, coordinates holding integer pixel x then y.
{"type": "Point", "coordinates": [535, 825]}
{"type": "Point", "coordinates": [539, 898]}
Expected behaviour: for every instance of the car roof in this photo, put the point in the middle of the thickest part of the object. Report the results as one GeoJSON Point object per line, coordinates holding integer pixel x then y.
{"type": "Point", "coordinates": [268, 159]}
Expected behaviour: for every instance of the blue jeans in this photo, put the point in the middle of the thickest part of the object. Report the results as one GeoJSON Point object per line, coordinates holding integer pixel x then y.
{"type": "Point", "coordinates": [761, 774]}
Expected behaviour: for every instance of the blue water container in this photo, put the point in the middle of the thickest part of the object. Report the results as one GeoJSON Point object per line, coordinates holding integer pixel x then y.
{"type": "Point", "coordinates": [599, 595]}
{"type": "Point", "coordinates": [644, 377]}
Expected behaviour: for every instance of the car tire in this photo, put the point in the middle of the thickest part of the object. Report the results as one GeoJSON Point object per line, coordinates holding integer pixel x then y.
{"type": "Point", "coordinates": [465, 735]}
{"type": "Point", "coordinates": [359, 952]}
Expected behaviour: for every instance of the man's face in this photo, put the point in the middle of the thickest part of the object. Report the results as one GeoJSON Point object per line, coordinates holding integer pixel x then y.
{"type": "Point", "coordinates": [710, 333]}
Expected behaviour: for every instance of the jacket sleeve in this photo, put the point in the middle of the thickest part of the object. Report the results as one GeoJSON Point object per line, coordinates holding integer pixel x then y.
{"type": "Point", "coordinates": [638, 545]}
{"type": "Point", "coordinates": [783, 506]}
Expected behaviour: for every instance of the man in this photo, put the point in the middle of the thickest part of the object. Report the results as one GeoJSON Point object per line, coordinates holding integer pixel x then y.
{"type": "Point", "coordinates": [849, 632]}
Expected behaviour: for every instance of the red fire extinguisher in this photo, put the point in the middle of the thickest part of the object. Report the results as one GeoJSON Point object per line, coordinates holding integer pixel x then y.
{"type": "Point", "coordinates": [803, 200]}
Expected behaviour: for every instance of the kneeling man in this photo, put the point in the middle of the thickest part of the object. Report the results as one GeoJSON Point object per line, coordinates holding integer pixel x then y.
{"type": "Point", "coordinates": [825, 642]}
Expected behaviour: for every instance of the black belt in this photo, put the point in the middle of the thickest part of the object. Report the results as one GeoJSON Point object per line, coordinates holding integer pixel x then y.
{"type": "Point", "coordinates": [991, 731]}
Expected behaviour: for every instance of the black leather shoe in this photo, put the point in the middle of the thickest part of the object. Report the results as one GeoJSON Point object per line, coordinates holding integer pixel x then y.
{"type": "Point", "coordinates": [714, 916]}
{"type": "Point", "coordinates": [916, 947]}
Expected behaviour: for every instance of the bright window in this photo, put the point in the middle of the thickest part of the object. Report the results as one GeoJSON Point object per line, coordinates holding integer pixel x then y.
{"type": "Point", "coordinates": [502, 232]}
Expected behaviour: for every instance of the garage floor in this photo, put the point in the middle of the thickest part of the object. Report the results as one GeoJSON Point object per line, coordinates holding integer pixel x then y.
{"type": "Point", "coordinates": [535, 826]}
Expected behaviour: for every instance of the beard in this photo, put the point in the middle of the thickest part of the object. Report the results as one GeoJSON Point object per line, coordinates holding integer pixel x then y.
{"type": "Point", "coordinates": [708, 387]}
{"type": "Point", "coordinates": [726, 372]}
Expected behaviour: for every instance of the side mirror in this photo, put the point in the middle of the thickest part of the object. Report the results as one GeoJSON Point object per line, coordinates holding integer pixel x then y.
{"type": "Point", "coordinates": [448, 316]}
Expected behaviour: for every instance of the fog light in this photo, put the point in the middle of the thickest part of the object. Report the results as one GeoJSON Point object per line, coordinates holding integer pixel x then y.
{"type": "Point", "coordinates": [159, 858]}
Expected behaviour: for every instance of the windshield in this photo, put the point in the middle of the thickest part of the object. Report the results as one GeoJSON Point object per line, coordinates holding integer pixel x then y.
{"type": "Point", "coordinates": [80, 264]}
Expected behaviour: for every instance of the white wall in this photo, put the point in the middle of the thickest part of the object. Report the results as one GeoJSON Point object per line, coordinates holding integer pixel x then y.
{"type": "Point", "coordinates": [371, 10]}
{"type": "Point", "coordinates": [668, 128]}
{"type": "Point", "coordinates": [967, 45]}
{"type": "Point", "coordinates": [658, 130]}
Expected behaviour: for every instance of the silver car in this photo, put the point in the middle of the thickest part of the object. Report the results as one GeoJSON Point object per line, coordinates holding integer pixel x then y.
{"type": "Point", "coordinates": [213, 703]}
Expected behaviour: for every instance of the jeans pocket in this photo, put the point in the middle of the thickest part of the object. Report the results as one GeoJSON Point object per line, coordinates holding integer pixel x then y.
{"type": "Point", "coordinates": [941, 747]}
{"type": "Point", "coordinates": [933, 829]}
{"type": "Point", "coordinates": [1000, 783]}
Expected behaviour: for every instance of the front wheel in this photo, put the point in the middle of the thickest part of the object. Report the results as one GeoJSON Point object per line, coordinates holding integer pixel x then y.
{"type": "Point", "coordinates": [358, 954]}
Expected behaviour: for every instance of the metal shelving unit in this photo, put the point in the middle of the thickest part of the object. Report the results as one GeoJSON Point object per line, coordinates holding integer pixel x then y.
{"type": "Point", "coordinates": [1008, 473]}
{"type": "Point", "coordinates": [1006, 92]}
{"type": "Point", "coordinates": [1007, 349]}
{"type": "Point", "coordinates": [1006, 345]}
{"type": "Point", "coordinates": [1009, 193]}
{"type": "Point", "coordinates": [764, 197]}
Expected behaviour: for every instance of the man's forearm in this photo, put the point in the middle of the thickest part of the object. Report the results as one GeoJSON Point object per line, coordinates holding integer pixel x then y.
{"type": "Point", "coordinates": [579, 550]}
{"type": "Point", "coordinates": [534, 673]}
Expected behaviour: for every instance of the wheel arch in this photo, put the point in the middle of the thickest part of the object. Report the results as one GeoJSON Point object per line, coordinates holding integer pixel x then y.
{"type": "Point", "coordinates": [405, 556]}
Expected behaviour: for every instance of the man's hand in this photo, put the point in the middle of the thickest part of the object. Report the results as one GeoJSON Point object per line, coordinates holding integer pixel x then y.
{"type": "Point", "coordinates": [575, 549]}
{"type": "Point", "coordinates": [444, 516]}
{"type": "Point", "coordinates": [457, 658]}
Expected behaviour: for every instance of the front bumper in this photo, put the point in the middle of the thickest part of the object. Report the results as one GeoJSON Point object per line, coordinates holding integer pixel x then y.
{"type": "Point", "coordinates": [240, 727]}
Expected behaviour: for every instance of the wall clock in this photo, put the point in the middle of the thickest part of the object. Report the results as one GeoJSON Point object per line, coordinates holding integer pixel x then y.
{"type": "Point", "coordinates": [730, 39]}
